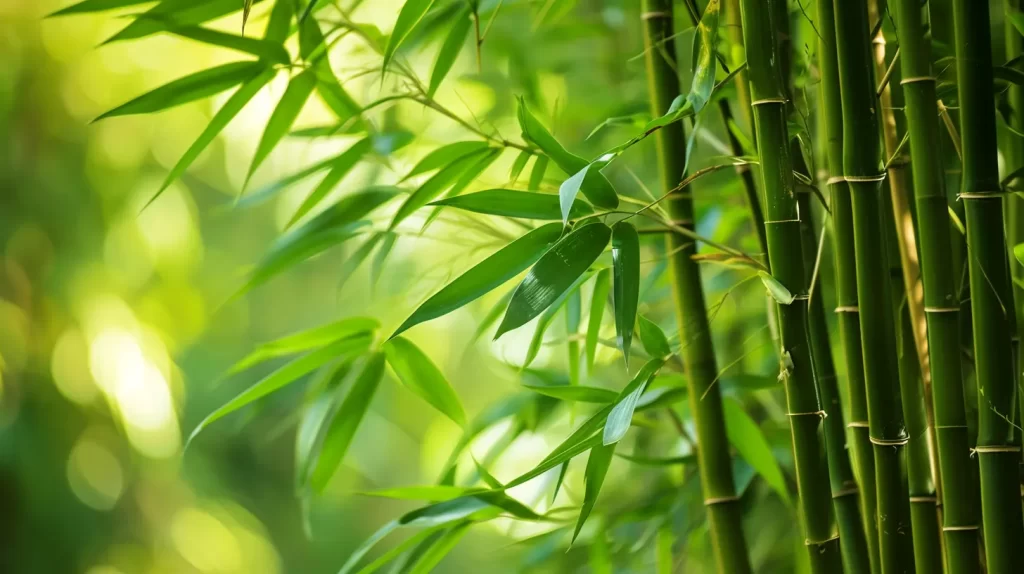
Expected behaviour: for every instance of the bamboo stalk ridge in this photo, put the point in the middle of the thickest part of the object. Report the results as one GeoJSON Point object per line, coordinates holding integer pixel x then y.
{"type": "Point", "coordinates": [782, 221]}
{"type": "Point", "coordinates": [723, 505]}
{"type": "Point", "coordinates": [959, 496]}
{"type": "Point", "coordinates": [862, 168]}
{"type": "Point", "coordinates": [846, 279]}
{"type": "Point", "coordinates": [998, 447]}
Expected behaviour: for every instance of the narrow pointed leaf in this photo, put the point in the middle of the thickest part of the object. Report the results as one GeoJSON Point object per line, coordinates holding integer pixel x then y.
{"type": "Point", "coordinates": [513, 203]}
{"type": "Point", "coordinates": [621, 415]}
{"type": "Point", "coordinates": [221, 119]}
{"type": "Point", "coordinates": [280, 122]}
{"type": "Point", "coordinates": [486, 276]}
{"type": "Point", "coordinates": [705, 63]}
{"type": "Point", "coordinates": [545, 321]}
{"type": "Point", "coordinates": [626, 286]}
{"type": "Point", "coordinates": [440, 548]}
{"type": "Point", "coordinates": [450, 50]}
{"type": "Point", "coordinates": [312, 48]}
{"type": "Point", "coordinates": [518, 166]}
{"type": "Point", "coordinates": [340, 166]}
{"type": "Point", "coordinates": [599, 300]}
{"type": "Point", "coordinates": [88, 6]}
{"type": "Point", "coordinates": [436, 185]}
{"type": "Point", "coordinates": [279, 24]}
{"type": "Point", "coordinates": [554, 274]}
{"type": "Point", "coordinates": [421, 376]}
{"type": "Point", "coordinates": [568, 191]}
{"type": "Point", "coordinates": [345, 422]}
{"type": "Point", "coordinates": [747, 438]}
{"type": "Point", "coordinates": [411, 14]}
{"type": "Point", "coordinates": [306, 340]}
{"type": "Point", "coordinates": [597, 469]}
{"type": "Point", "coordinates": [654, 339]}
{"type": "Point", "coordinates": [349, 267]}
{"type": "Point", "coordinates": [377, 267]}
{"type": "Point", "coordinates": [540, 166]}
{"type": "Point", "coordinates": [188, 89]}
{"type": "Point", "coordinates": [285, 375]}
{"type": "Point", "coordinates": [263, 49]}
{"type": "Point", "coordinates": [171, 14]}
{"type": "Point", "coordinates": [576, 393]}
{"type": "Point", "coordinates": [492, 316]}
{"type": "Point", "coordinates": [445, 155]}
{"type": "Point", "coordinates": [400, 549]}
{"type": "Point", "coordinates": [369, 543]}
{"type": "Point", "coordinates": [315, 414]}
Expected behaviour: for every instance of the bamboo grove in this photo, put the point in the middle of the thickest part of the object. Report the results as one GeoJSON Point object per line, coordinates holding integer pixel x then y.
{"type": "Point", "coordinates": [858, 409]}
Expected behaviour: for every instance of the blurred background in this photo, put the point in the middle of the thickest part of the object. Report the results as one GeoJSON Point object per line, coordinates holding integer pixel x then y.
{"type": "Point", "coordinates": [116, 322]}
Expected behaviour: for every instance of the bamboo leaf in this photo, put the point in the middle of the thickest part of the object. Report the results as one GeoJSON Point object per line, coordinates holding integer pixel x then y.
{"type": "Point", "coordinates": [597, 469]}
{"type": "Point", "coordinates": [776, 289]}
{"type": "Point", "coordinates": [370, 542]}
{"type": "Point", "coordinates": [311, 40]}
{"type": "Point", "coordinates": [285, 375]}
{"type": "Point", "coordinates": [345, 422]}
{"type": "Point", "coordinates": [314, 415]}
{"type": "Point", "coordinates": [266, 50]}
{"type": "Point", "coordinates": [545, 321]}
{"type": "Point", "coordinates": [436, 185]}
{"type": "Point", "coordinates": [747, 438]}
{"type": "Point", "coordinates": [227, 112]}
{"type": "Point", "coordinates": [172, 14]}
{"type": "Point", "coordinates": [595, 186]}
{"type": "Point", "coordinates": [621, 416]}
{"type": "Point", "coordinates": [599, 300]}
{"type": "Point", "coordinates": [440, 548]}
{"type": "Point", "coordinates": [340, 166]}
{"type": "Point", "coordinates": [486, 275]}
{"type": "Point", "coordinates": [513, 203]}
{"type": "Point", "coordinates": [1017, 19]}
{"type": "Point", "coordinates": [554, 274]}
{"type": "Point", "coordinates": [464, 507]}
{"type": "Point", "coordinates": [306, 340]}
{"type": "Point", "coordinates": [1008, 74]}
{"type": "Point", "coordinates": [188, 89]}
{"type": "Point", "coordinates": [407, 545]}
{"type": "Point", "coordinates": [705, 63]}
{"type": "Point", "coordinates": [421, 376]}
{"type": "Point", "coordinates": [654, 339]}
{"type": "Point", "coordinates": [1018, 253]}
{"type": "Point", "coordinates": [537, 173]}
{"type": "Point", "coordinates": [280, 122]}
{"type": "Point", "coordinates": [89, 6]}
{"type": "Point", "coordinates": [577, 443]}
{"type": "Point", "coordinates": [432, 493]}
{"type": "Point", "coordinates": [576, 393]}
{"type": "Point", "coordinates": [568, 191]}
{"type": "Point", "coordinates": [348, 268]}
{"type": "Point", "coordinates": [518, 166]}
{"type": "Point", "coordinates": [279, 23]}
{"type": "Point", "coordinates": [445, 155]}
{"type": "Point", "coordinates": [377, 268]}
{"type": "Point", "coordinates": [450, 50]}
{"type": "Point", "coordinates": [626, 284]}
{"type": "Point", "coordinates": [411, 14]}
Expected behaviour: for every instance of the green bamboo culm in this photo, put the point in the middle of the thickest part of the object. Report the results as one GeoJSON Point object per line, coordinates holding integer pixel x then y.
{"type": "Point", "coordinates": [784, 256]}
{"type": "Point", "coordinates": [998, 448]}
{"type": "Point", "coordinates": [959, 495]}
{"type": "Point", "coordinates": [862, 169]}
{"type": "Point", "coordinates": [846, 279]}
{"type": "Point", "coordinates": [721, 501]}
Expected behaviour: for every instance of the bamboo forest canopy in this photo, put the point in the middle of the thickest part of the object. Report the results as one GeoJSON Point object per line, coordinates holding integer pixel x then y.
{"type": "Point", "coordinates": [533, 286]}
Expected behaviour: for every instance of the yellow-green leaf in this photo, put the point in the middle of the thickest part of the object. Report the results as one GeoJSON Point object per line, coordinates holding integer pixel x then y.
{"type": "Point", "coordinates": [419, 374]}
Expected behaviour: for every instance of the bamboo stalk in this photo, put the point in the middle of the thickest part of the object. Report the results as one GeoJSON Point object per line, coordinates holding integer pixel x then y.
{"type": "Point", "coordinates": [846, 278]}
{"type": "Point", "coordinates": [862, 170]}
{"type": "Point", "coordinates": [723, 505]}
{"type": "Point", "coordinates": [784, 255]}
{"type": "Point", "coordinates": [998, 447]}
{"type": "Point", "coordinates": [959, 497]}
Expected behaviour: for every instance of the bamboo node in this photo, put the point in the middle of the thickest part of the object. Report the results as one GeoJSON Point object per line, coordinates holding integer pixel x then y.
{"type": "Point", "coordinates": [928, 499]}
{"type": "Point", "coordinates": [928, 309]}
{"type": "Point", "coordinates": [959, 528]}
{"type": "Point", "coordinates": [821, 414]}
{"type": "Point", "coordinates": [994, 449]}
{"type": "Point", "coordinates": [846, 492]}
{"type": "Point", "coordinates": [834, 538]}
{"type": "Point", "coordinates": [769, 222]}
{"type": "Point", "coordinates": [767, 100]}
{"type": "Point", "coordinates": [720, 500]}
{"type": "Point", "coordinates": [653, 15]}
{"type": "Point", "coordinates": [857, 425]}
{"type": "Point", "coordinates": [865, 178]}
{"type": "Point", "coordinates": [915, 79]}
{"type": "Point", "coordinates": [847, 309]}
{"type": "Point", "coordinates": [981, 195]}
{"type": "Point", "coordinates": [888, 442]}
{"type": "Point", "coordinates": [835, 180]}
{"type": "Point", "coordinates": [939, 427]}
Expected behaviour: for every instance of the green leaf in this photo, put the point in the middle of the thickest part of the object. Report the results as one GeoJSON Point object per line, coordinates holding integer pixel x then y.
{"type": "Point", "coordinates": [626, 290]}
{"type": "Point", "coordinates": [464, 507]}
{"type": "Point", "coordinates": [370, 542]}
{"type": "Point", "coordinates": [486, 276]}
{"type": "Point", "coordinates": [324, 399]}
{"type": "Point", "coordinates": [537, 173]}
{"type": "Point", "coordinates": [1018, 252]}
{"type": "Point", "coordinates": [440, 548]}
{"type": "Point", "coordinates": [188, 89]}
{"type": "Point", "coordinates": [280, 22]}
{"type": "Point", "coordinates": [266, 192]}
{"type": "Point", "coordinates": [400, 549]}
{"type": "Point", "coordinates": [445, 155]}
{"type": "Point", "coordinates": [280, 122]}
{"type": "Point", "coordinates": [594, 185]}
{"type": "Point", "coordinates": [266, 50]}
{"type": "Point", "coordinates": [1008, 74]}
{"type": "Point", "coordinates": [172, 14]}
{"type": "Point", "coordinates": [436, 185]}
{"type": "Point", "coordinates": [287, 374]}
{"type": "Point", "coordinates": [621, 415]}
{"type": "Point", "coordinates": [421, 376]}
{"type": "Point", "coordinates": [513, 203]}
{"type": "Point", "coordinates": [654, 339]}
{"type": "Point", "coordinates": [554, 274]}
{"type": "Point", "coordinates": [518, 166]}
{"type": "Point", "coordinates": [226, 113]}
{"type": "Point", "coordinates": [88, 6]}
{"type": "Point", "coordinates": [345, 422]}
{"type": "Point", "coordinates": [492, 316]}
{"type": "Point", "coordinates": [332, 227]}
{"type": "Point", "coordinates": [487, 477]}
{"type": "Point", "coordinates": [306, 340]}
{"type": "Point", "coordinates": [377, 267]}
{"type": "Point", "coordinates": [432, 493]}
{"type": "Point", "coordinates": [776, 289]}
{"type": "Point", "coordinates": [568, 191]}
{"type": "Point", "coordinates": [411, 14]}
{"type": "Point", "coordinates": [597, 469]}
{"type": "Point", "coordinates": [311, 40]}
{"type": "Point", "coordinates": [1017, 19]}
{"type": "Point", "coordinates": [576, 393]}
{"type": "Point", "coordinates": [577, 443]}
{"type": "Point", "coordinates": [450, 50]}
{"type": "Point", "coordinates": [747, 438]}
{"type": "Point", "coordinates": [340, 166]}
{"type": "Point", "coordinates": [705, 63]}
{"type": "Point", "coordinates": [599, 300]}
{"type": "Point", "coordinates": [545, 321]}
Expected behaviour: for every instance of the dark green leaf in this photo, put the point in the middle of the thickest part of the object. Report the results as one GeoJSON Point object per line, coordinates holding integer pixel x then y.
{"type": "Point", "coordinates": [518, 166]}
{"type": "Point", "coordinates": [621, 415]}
{"type": "Point", "coordinates": [599, 300]}
{"type": "Point", "coordinates": [545, 321]}
{"type": "Point", "coordinates": [369, 543]}
{"type": "Point", "coordinates": [190, 88]}
{"type": "Point", "coordinates": [280, 122]}
{"type": "Point", "coordinates": [445, 155]}
{"type": "Point", "coordinates": [436, 185]}
{"type": "Point", "coordinates": [747, 438]}
{"type": "Point", "coordinates": [440, 548]}
{"type": "Point", "coordinates": [594, 185]}
{"type": "Point", "coordinates": [458, 508]}
{"type": "Point", "coordinates": [280, 22]}
{"type": "Point", "coordinates": [401, 548]}
{"type": "Point", "coordinates": [576, 393]}
{"type": "Point", "coordinates": [626, 293]}
{"type": "Point", "coordinates": [340, 166]}
{"type": "Point", "coordinates": [421, 376]}
{"type": "Point", "coordinates": [486, 275]}
{"type": "Point", "coordinates": [450, 50]}
{"type": "Point", "coordinates": [705, 63]}
{"type": "Point", "coordinates": [654, 339]}
{"type": "Point", "coordinates": [264, 49]}
{"type": "Point", "coordinates": [554, 274]}
{"type": "Point", "coordinates": [537, 173]}
{"type": "Point", "coordinates": [597, 469]}
{"type": "Point", "coordinates": [287, 374]}
{"type": "Point", "coordinates": [171, 14]}
{"type": "Point", "coordinates": [411, 14]}
{"type": "Point", "coordinates": [345, 422]}
{"type": "Point", "coordinates": [306, 340]}
{"type": "Point", "coordinates": [513, 203]}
